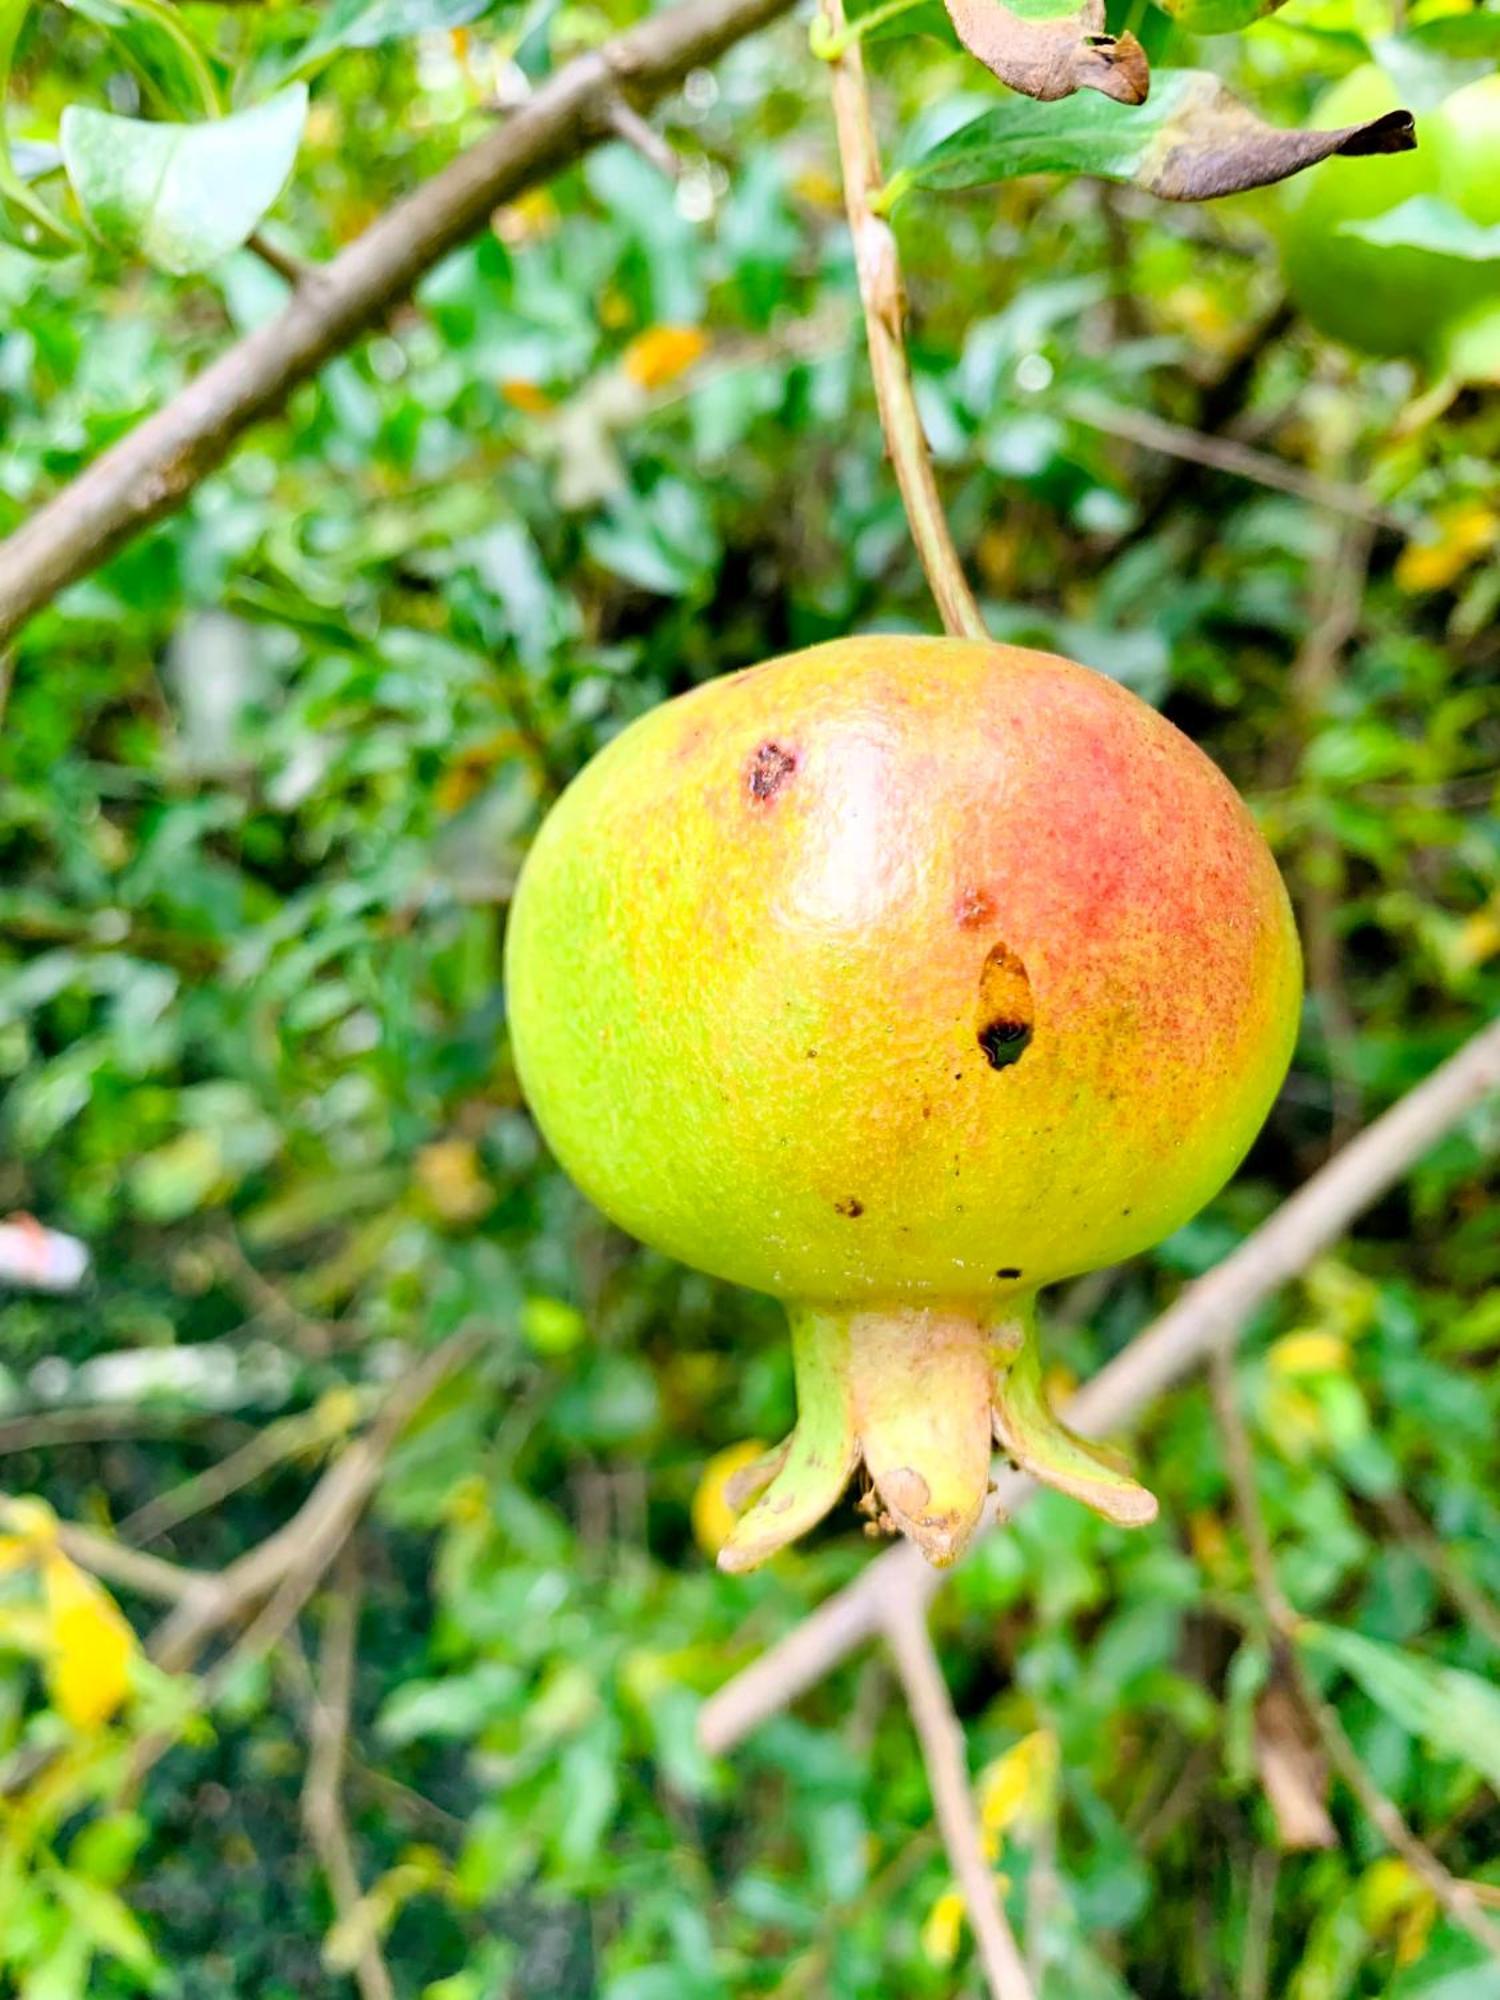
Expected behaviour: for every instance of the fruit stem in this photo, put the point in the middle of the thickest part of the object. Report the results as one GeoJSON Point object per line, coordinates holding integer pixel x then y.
{"type": "Point", "coordinates": [882, 296]}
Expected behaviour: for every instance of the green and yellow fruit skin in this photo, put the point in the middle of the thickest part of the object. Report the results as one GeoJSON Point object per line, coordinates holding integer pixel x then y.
{"type": "Point", "coordinates": [1387, 300]}
{"type": "Point", "coordinates": [898, 978]}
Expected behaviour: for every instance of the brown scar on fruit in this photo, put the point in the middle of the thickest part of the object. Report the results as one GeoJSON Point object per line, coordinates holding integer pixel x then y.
{"type": "Point", "coordinates": [768, 770]}
{"type": "Point", "coordinates": [1007, 1014]}
{"type": "Point", "coordinates": [851, 1206]}
{"type": "Point", "coordinates": [974, 907]}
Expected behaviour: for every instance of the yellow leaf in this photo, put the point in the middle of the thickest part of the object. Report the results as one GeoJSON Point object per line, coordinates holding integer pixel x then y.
{"type": "Point", "coordinates": [943, 1929]}
{"type": "Point", "coordinates": [336, 1411]}
{"type": "Point", "coordinates": [527, 219]}
{"type": "Point", "coordinates": [1414, 1928]}
{"type": "Point", "coordinates": [1464, 532]}
{"type": "Point", "coordinates": [662, 353]}
{"type": "Point", "coordinates": [713, 1517]}
{"type": "Point", "coordinates": [15, 1552]}
{"type": "Point", "coordinates": [92, 1645]}
{"type": "Point", "coordinates": [1394, 1901]}
{"type": "Point", "coordinates": [1478, 938]}
{"type": "Point", "coordinates": [1208, 1538]}
{"type": "Point", "coordinates": [449, 1174]}
{"type": "Point", "coordinates": [614, 309]}
{"type": "Point", "coordinates": [1293, 1421]}
{"type": "Point", "coordinates": [1017, 1787]}
{"type": "Point", "coordinates": [25, 1628]}
{"type": "Point", "coordinates": [528, 397]}
{"type": "Point", "coordinates": [1309, 1352]}
{"type": "Point", "coordinates": [818, 188]}
{"type": "Point", "coordinates": [324, 129]}
{"type": "Point", "coordinates": [31, 1520]}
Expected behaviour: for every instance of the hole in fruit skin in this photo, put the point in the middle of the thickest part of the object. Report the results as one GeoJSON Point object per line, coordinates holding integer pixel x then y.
{"type": "Point", "coordinates": [1004, 1042]}
{"type": "Point", "coordinates": [768, 771]}
{"type": "Point", "coordinates": [851, 1206]}
{"type": "Point", "coordinates": [1006, 1014]}
{"type": "Point", "coordinates": [1009, 1271]}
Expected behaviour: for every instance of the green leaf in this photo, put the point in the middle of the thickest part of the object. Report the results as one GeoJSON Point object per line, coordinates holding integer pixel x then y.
{"type": "Point", "coordinates": [887, 20]}
{"type": "Point", "coordinates": [1470, 346]}
{"type": "Point", "coordinates": [1471, 36]}
{"type": "Point", "coordinates": [24, 219]}
{"type": "Point", "coordinates": [178, 1178]}
{"type": "Point", "coordinates": [104, 1919]}
{"type": "Point", "coordinates": [160, 47]}
{"type": "Point", "coordinates": [1191, 141]}
{"type": "Point", "coordinates": [1454, 1713]}
{"type": "Point", "coordinates": [1427, 222]}
{"type": "Point", "coordinates": [63, 1973]}
{"type": "Point", "coordinates": [184, 195]}
{"type": "Point", "coordinates": [1219, 17]}
{"type": "Point", "coordinates": [365, 24]}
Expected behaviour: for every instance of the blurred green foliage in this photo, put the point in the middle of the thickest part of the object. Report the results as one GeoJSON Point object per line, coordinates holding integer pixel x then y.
{"type": "Point", "coordinates": [265, 782]}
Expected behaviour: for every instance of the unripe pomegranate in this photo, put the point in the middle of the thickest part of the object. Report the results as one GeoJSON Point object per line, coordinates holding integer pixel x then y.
{"type": "Point", "coordinates": [1387, 299]}
{"type": "Point", "coordinates": [899, 978]}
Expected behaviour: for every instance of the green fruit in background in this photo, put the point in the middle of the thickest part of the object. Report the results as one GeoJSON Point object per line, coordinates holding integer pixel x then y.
{"type": "Point", "coordinates": [1468, 141]}
{"type": "Point", "coordinates": [898, 978]}
{"type": "Point", "coordinates": [1393, 300]}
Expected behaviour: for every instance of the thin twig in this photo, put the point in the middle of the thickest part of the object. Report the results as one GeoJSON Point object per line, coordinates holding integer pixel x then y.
{"type": "Point", "coordinates": [1456, 1897]}
{"type": "Point", "coordinates": [313, 1336]}
{"type": "Point", "coordinates": [49, 1430]}
{"type": "Point", "coordinates": [151, 470]}
{"type": "Point", "coordinates": [1214, 1308]}
{"type": "Point", "coordinates": [1223, 454]}
{"type": "Point", "coordinates": [628, 125]}
{"type": "Point", "coordinates": [296, 270]}
{"type": "Point", "coordinates": [904, 1618]}
{"type": "Point", "coordinates": [133, 1569]}
{"type": "Point", "coordinates": [1481, 1610]}
{"type": "Point", "coordinates": [1260, 1915]}
{"type": "Point", "coordinates": [1311, 683]}
{"type": "Point", "coordinates": [287, 1566]}
{"type": "Point", "coordinates": [323, 1790]}
{"type": "Point", "coordinates": [882, 295]}
{"type": "Point", "coordinates": [308, 1430]}
{"type": "Point", "coordinates": [1221, 403]}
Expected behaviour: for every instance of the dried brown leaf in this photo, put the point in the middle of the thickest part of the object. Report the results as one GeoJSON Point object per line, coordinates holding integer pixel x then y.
{"type": "Point", "coordinates": [1214, 145]}
{"type": "Point", "coordinates": [1293, 1770]}
{"type": "Point", "coordinates": [1052, 59]}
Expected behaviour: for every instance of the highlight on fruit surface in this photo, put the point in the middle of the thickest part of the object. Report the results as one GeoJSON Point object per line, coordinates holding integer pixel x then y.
{"type": "Point", "coordinates": [899, 978]}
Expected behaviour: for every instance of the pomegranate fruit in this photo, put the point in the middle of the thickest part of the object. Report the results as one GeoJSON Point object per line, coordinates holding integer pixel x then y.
{"type": "Point", "coordinates": [1385, 299]}
{"type": "Point", "coordinates": [899, 978]}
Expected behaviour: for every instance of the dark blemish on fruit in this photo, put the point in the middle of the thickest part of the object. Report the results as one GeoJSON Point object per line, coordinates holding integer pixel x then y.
{"type": "Point", "coordinates": [926, 1110]}
{"type": "Point", "coordinates": [1004, 1042]}
{"type": "Point", "coordinates": [1006, 1011]}
{"type": "Point", "coordinates": [975, 907]}
{"type": "Point", "coordinates": [768, 771]}
{"type": "Point", "coordinates": [850, 1206]}
{"type": "Point", "coordinates": [1009, 1271]}
{"type": "Point", "coordinates": [812, 1055]}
